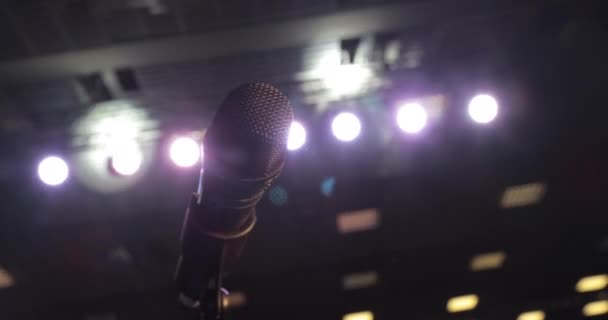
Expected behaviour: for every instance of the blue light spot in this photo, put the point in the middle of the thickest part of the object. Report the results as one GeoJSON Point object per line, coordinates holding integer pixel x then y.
{"type": "Point", "coordinates": [278, 196]}
{"type": "Point", "coordinates": [327, 186]}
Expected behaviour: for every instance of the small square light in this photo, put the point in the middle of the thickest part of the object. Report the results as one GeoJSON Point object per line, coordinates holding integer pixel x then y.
{"type": "Point", "coordinates": [363, 315]}
{"type": "Point", "coordinates": [462, 303]}
{"type": "Point", "coordinates": [592, 283]}
{"type": "Point", "coordinates": [532, 315]}
{"type": "Point", "coordinates": [595, 308]}
{"type": "Point", "coordinates": [359, 280]}
{"type": "Point", "coordinates": [487, 261]}
{"type": "Point", "coordinates": [523, 195]}
{"type": "Point", "coordinates": [356, 221]}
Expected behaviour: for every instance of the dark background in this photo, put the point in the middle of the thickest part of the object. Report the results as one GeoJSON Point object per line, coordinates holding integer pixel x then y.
{"type": "Point", "coordinates": [75, 253]}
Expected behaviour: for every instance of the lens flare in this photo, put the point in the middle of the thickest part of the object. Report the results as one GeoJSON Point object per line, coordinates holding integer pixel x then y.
{"type": "Point", "coordinates": [278, 196]}
{"type": "Point", "coordinates": [53, 171]}
{"type": "Point", "coordinates": [483, 108]}
{"type": "Point", "coordinates": [185, 152]}
{"type": "Point", "coordinates": [346, 126]}
{"type": "Point", "coordinates": [297, 136]}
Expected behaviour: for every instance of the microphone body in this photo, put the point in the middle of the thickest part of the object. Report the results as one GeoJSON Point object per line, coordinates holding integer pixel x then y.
{"type": "Point", "coordinates": [245, 148]}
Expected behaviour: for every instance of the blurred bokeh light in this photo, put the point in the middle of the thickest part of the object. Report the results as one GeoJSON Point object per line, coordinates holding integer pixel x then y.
{"type": "Point", "coordinates": [462, 303]}
{"type": "Point", "coordinates": [362, 315]}
{"type": "Point", "coordinates": [596, 308]}
{"type": "Point", "coordinates": [342, 79]}
{"type": "Point", "coordinates": [483, 108]}
{"type": "Point", "coordinates": [278, 196]}
{"type": "Point", "coordinates": [297, 136]}
{"type": "Point", "coordinates": [411, 117]}
{"type": "Point", "coordinates": [346, 126]}
{"type": "Point", "coordinates": [126, 157]}
{"type": "Point", "coordinates": [184, 152]}
{"type": "Point", "coordinates": [53, 170]}
{"type": "Point", "coordinates": [592, 283]}
{"type": "Point", "coordinates": [532, 315]}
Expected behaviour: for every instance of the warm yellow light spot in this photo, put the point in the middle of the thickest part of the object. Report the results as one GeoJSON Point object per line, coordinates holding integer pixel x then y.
{"type": "Point", "coordinates": [532, 315]}
{"type": "Point", "coordinates": [592, 283]}
{"type": "Point", "coordinates": [486, 261]}
{"type": "Point", "coordinates": [523, 195]}
{"type": "Point", "coordinates": [462, 303]}
{"type": "Point", "coordinates": [6, 280]}
{"type": "Point", "coordinates": [234, 299]}
{"type": "Point", "coordinates": [595, 308]}
{"type": "Point", "coordinates": [357, 221]}
{"type": "Point", "coordinates": [363, 315]}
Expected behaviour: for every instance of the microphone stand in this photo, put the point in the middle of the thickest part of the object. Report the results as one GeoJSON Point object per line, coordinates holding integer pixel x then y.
{"type": "Point", "coordinates": [212, 307]}
{"type": "Point", "coordinates": [211, 303]}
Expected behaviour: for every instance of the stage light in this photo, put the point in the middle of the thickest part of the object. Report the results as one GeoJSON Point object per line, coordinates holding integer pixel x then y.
{"type": "Point", "coordinates": [185, 152]}
{"type": "Point", "coordinates": [53, 171]}
{"type": "Point", "coordinates": [363, 315]}
{"type": "Point", "coordinates": [347, 79]}
{"type": "Point", "coordinates": [297, 136]}
{"type": "Point", "coordinates": [341, 79]}
{"type": "Point", "coordinates": [96, 136]}
{"type": "Point", "coordinates": [462, 303]}
{"type": "Point", "coordinates": [126, 157]}
{"type": "Point", "coordinates": [483, 108]}
{"type": "Point", "coordinates": [595, 308]}
{"type": "Point", "coordinates": [532, 315]}
{"type": "Point", "coordinates": [411, 118]}
{"type": "Point", "coordinates": [346, 126]}
{"type": "Point", "coordinates": [487, 261]}
{"type": "Point", "coordinates": [592, 283]}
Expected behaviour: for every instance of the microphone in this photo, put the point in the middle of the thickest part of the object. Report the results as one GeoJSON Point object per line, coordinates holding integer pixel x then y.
{"type": "Point", "coordinates": [245, 148]}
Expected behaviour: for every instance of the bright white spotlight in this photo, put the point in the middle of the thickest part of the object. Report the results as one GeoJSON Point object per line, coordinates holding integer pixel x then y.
{"type": "Point", "coordinates": [346, 126]}
{"type": "Point", "coordinates": [341, 79]}
{"type": "Point", "coordinates": [483, 108]}
{"type": "Point", "coordinates": [185, 152]}
{"type": "Point", "coordinates": [53, 171]}
{"type": "Point", "coordinates": [347, 79]}
{"type": "Point", "coordinates": [297, 136]}
{"type": "Point", "coordinates": [411, 118]}
{"type": "Point", "coordinates": [126, 157]}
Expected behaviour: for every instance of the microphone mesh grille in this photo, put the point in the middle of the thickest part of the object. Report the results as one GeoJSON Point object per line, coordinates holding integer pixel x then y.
{"type": "Point", "coordinates": [258, 116]}
{"type": "Point", "coordinates": [262, 109]}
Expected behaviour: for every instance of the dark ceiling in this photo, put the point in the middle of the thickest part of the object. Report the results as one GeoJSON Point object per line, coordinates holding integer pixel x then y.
{"type": "Point", "coordinates": [79, 254]}
{"type": "Point", "coordinates": [39, 27]}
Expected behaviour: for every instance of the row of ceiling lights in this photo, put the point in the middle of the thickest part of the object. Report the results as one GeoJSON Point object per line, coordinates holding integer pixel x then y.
{"type": "Point", "coordinates": [468, 302]}
{"type": "Point", "coordinates": [367, 219]}
{"type": "Point", "coordinates": [126, 158]}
